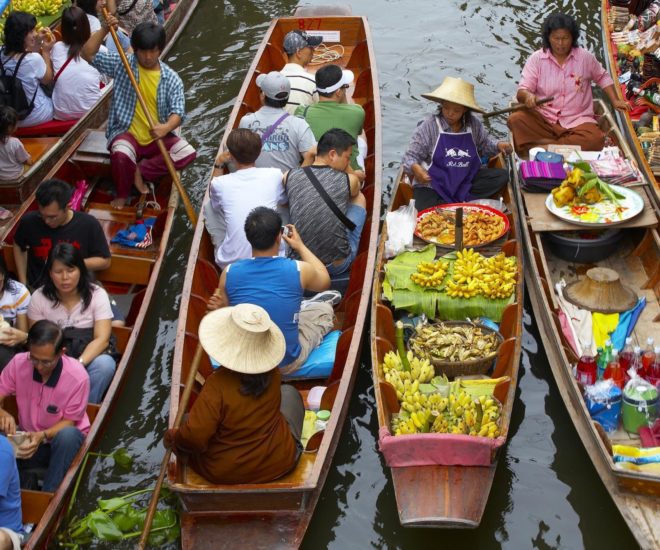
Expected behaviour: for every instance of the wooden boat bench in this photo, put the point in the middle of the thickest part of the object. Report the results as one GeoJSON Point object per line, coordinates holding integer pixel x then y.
{"type": "Point", "coordinates": [37, 147]}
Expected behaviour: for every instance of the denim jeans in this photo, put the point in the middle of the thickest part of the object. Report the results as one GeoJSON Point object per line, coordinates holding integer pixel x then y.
{"type": "Point", "coordinates": [357, 215]}
{"type": "Point", "coordinates": [100, 370]}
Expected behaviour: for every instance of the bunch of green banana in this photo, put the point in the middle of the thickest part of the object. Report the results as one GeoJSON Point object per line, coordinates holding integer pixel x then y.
{"type": "Point", "coordinates": [430, 274]}
{"type": "Point", "coordinates": [499, 278]}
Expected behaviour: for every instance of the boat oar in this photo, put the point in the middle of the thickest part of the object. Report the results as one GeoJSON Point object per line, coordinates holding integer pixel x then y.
{"type": "Point", "coordinates": [163, 150]}
{"type": "Point", "coordinates": [183, 403]}
{"type": "Point", "coordinates": [516, 107]}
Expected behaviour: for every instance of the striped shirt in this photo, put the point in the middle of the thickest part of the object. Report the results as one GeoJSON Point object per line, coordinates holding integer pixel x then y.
{"type": "Point", "coordinates": [569, 84]}
{"type": "Point", "coordinates": [14, 301]}
{"type": "Point", "coordinates": [303, 87]}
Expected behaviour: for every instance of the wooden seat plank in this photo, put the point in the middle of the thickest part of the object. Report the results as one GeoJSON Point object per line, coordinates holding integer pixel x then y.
{"type": "Point", "coordinates": [37, 147]}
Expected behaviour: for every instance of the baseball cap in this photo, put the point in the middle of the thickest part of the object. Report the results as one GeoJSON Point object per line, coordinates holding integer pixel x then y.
{"type": "Point", "coordinates": [331, 78]}
{"type": "Point", "coordinates": [297, 40]}
{"type": "Point", "coordinates": [274, 85]}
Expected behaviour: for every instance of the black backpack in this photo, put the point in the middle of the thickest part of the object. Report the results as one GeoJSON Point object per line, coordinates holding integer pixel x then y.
{"type": "Point", "coordinates": [12, 93]}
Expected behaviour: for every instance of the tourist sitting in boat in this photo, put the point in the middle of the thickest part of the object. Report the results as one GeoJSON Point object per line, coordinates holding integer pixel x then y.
{"type": "Point", "coordinates": [12, 532]}
{"type": "Point", "coordinates": [134, 152]}
{"type": "Point", "coordinates": [91, 9]}
{"type": "Point", "coordinates": [445, 152]}
{"type": "Point", "coordinates": [51, 392]}
{"type": "Point", "coordinates": [13, 156]}
{"type": "Point", "coordinates": [54, 222]}
{"type": "Point", "coordinates": [563, 71]}
{"type": "Point", "coordinates": [334, 111]}
{"type": "Point", "coordinates": [77, 83]}
{"type": "Point", "coordinates": [82, 308]}
{"type": "Point", "coordinates": [14, 301]}
{"type": "Point", "coordinates": [333, 235]}
{"type": "Point", "coordinates": [277, 284]}
{"type": "Point", "coordinates": [299, 49]}
{"type": "Point", "coordinates": [244, 426]}
{"type": "Point", "coordinates": [287, 140]}
{"type": "Point", "coordinates": [23, 44]}
{"type": "Point", "coordinates": [233, 196]}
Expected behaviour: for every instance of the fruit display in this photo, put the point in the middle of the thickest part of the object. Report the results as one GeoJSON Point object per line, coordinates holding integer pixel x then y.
{"type": "Point", "coordinates": [452, 342]}
{"type": "Point", "coordinates": [430, 274]}
{"type": "Point", "coordinates": [582, 186]}
{"type": "Point", "coordinates": [38, 8]}
{"type": "Point", "coordinates": [479, 226]}
{"type": "Point", "coordinates": [474, 274]}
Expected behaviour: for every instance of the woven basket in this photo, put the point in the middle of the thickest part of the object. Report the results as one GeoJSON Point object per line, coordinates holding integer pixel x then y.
{"type": "Point", "coordinates": [465, 368]}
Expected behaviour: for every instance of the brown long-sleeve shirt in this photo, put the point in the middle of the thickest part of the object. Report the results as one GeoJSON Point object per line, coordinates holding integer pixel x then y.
{"type": "Point", "coordinates": [232, 438]}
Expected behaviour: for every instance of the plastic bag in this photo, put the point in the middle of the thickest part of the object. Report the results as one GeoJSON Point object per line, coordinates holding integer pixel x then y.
{"type": "Point", "coordinates": [603, 400]}
{"type": "Point", "coordinates": [400, 228]}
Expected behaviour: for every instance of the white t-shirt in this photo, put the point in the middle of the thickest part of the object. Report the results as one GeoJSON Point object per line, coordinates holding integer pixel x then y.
{"type": "Point", "coordinates": [12, 159]}
{"type": "Point", "coordinates": [236, 195]}
{"type": "Point", "coordinates": [32, 70]}
{"type": "Point", "coordinates": [303, 87]}
{"type": "Point", "coordinates": [77, 88]}
{"type": "Point", "coordinates": [14, 301]}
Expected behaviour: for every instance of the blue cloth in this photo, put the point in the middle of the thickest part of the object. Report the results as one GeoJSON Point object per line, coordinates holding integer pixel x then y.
{"type": "Point", "coordinates": [169, 97]}
{"type": "Point", "coordinates": [626, 324]}
{"type": "Point", "coordinates": [134, 235]}
{"type": "Point", "coordinates": [320, 362]}
{"type": "Point", "coordinates": [274, 284]}
{"type": "Point", "coordinates": [10, 489]}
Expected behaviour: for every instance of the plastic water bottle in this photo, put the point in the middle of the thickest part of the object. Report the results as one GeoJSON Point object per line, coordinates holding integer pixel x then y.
{"type": "Point", "coordinates": [586, 371]}
{"type": "Point", "coordinates": [626, 355]}
{"type": "Point", "coordinates": [604, 359]}
{"type": "Point", "coordinates": [653, 375]}
{"type": "Point", "coordinates": [614, 370]}
{"type": "Point", "coordinates": [648, 357]}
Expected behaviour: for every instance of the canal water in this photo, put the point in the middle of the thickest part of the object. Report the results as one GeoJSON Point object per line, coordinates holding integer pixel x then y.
{"type": "Point", "coordinates": [546, 493]}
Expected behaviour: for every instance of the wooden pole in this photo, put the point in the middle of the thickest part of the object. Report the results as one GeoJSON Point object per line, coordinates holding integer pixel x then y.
{"type": "Point", "coordinates": [516, 107]}
{"type": "Point", "coordinates": [166, 156]}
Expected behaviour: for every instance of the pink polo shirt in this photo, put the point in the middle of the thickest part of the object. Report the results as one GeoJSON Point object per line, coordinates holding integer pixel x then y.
{"type": "Point", "coordinates": [569, 84]}
{"type": "Point", "coordinates": [41, 406]}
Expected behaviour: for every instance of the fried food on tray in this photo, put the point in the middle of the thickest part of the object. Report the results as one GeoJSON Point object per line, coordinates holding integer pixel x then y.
{"type": "Point", "coordinates": [479, 227]}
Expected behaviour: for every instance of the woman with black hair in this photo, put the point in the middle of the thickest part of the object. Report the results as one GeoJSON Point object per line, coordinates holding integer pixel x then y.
{"type": "Point", "coordinates": [22, 45]}
{"type": "Point", "coordinates": [564, 71]}
{"type": "Point", "coordinates": [82, 309]}
{"type": "Point", "coordinates": [14, 301]}
{"type": "Point", "coordinates": [77, 85]}
{"type": "Point", "coordinates": [14, 158]}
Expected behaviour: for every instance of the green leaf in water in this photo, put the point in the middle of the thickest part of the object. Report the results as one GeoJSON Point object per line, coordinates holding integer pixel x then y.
{"type": "Point", "coordinates": [103, 527]}
{"type": "Point", "coordinates": [127, 520]}
{"type": "Point", "coordinates": [123, 459]}
{"type": "Point", "coordinates": [112, 504]}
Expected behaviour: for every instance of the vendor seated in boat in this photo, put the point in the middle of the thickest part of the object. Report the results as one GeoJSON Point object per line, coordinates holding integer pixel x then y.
{"type": "Point", "coordinates": [444, 155]}
{"type": "Point", "coordinates": [563, 71]}
{"type": "Point", "coordinates": [51, 391]}
{"type": "Point", "coordinates": [277, 284]}
{"type": "Point", "coordinates": [244, 426]}
{"type": "Point", "coordinates": [134, 153]}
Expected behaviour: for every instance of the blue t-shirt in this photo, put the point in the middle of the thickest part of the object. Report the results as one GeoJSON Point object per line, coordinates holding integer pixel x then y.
{"type": "Point", "coordinates": [10, 489]}
{"type": "Point", "coordinates": [274, 284]}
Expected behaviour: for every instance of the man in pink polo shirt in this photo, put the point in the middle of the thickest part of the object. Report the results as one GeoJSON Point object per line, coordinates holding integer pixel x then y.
{"type": "Point", "coordinates": [563, 71]}
{"type": "Point", "coordinates": [51, 392]}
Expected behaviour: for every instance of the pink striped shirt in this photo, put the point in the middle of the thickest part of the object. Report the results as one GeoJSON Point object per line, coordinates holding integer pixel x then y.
{"type": "Point", "coordinates": [569, 84]}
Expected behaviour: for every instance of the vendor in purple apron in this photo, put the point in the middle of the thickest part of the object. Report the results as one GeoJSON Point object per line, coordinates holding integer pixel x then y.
{"type": "Point", "coordinates": [444, 155]}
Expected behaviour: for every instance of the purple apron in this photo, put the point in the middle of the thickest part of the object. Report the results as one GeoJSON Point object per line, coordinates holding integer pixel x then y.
{"type": "Point", "coordinates": [455, 163]}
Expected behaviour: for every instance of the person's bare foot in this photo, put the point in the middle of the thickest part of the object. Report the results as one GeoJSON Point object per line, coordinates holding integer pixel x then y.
{"type": "Point", "coordinates": [118, 202]}
{"type": "Point", "coordinates": [139, 183]}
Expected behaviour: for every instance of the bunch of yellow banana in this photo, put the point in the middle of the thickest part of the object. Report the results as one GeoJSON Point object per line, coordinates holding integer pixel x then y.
{"type": "Point", "coordinates": [430, 274]}
{"type": "Point", "coordinates": [466, 277]}
{"type": "Point", "coordinates": [415, 422]}
{"type": "Point", "coordinates": [499, 278]}
{"type": "Point", "coordinates": [464, 415]}
{"type": "Point", "coordinates": [38, 7]}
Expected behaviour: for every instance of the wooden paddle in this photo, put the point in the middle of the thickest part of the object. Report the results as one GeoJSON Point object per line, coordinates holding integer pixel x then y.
{"type": "Point", "coordinates": [166, 156]}
{"type": "Point", "coordinates": [516, 107]}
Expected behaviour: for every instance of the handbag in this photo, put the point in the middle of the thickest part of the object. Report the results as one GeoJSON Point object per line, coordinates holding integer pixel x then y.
{"type": "Point", "coordinates": [541, 177]}
{"type": "Point", "coordinates": [324, 195]}
{"type": "Point", "coordinates": [77, 339]}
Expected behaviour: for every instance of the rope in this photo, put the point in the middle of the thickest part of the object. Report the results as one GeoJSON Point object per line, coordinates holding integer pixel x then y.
{"type": "Point", "coordinates": [152, 204]}
{"type": "Point", "coordinates": [327, 54]}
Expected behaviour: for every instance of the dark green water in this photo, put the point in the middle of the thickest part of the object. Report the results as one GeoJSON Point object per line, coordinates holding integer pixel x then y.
{"type": "Point", "coordinates": [546, 493]}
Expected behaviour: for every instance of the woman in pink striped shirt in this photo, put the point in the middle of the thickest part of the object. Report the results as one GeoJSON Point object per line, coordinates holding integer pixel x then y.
{"type": "Point", "coordinates": [563, 71]}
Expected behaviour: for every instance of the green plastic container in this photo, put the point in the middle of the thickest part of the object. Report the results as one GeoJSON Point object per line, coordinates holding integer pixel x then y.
{"type": "Point", "coordinates": [640, 407]}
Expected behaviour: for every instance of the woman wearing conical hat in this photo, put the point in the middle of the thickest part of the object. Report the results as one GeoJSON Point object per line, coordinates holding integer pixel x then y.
{"type": "Point", "coordinates": [444, 155]}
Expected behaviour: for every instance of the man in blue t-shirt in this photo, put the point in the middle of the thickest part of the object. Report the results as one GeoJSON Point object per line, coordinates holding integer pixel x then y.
{"type": "Point", "coordinates": [11, 526]}
{"type": "Point", "coordinates": [277, 285]}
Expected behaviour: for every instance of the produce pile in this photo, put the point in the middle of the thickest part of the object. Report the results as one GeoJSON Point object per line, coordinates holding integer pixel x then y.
{"type": "Point", "coordinates": [479, 227]}
{"type": "Point", "coordinates": [583, 186]}
{"type": "Point", "coordinates": [425, 410]}
{"type": "Point", "coordinates": [38, 7]}
{"type": "Point", "coordinates": [459, 285]}
{"type": "Point", "coordinates": [453, 343]}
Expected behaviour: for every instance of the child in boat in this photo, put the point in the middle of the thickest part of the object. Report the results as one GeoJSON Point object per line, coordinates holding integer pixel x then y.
{"type": "Point", "coordinates": [13, 156]}
{"type": "Point", "coordinates": [14, 302]}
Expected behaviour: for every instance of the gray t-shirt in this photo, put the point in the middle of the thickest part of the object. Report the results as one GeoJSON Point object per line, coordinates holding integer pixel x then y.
{"type": "Point", "coordinates": [284, 147]}
{"type": "Point", "coordinates": [319, 227]}
{"type": "Point", "coordinates": [12, 159]}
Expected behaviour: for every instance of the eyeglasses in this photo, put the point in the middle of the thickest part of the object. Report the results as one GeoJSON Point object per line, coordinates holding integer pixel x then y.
{"type": "Point", "coordinates": [44, 363]}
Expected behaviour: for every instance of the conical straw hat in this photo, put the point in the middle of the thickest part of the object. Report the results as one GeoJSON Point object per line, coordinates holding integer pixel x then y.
{"type": "Point", "coordinates": [601, 291]}
{"type": "Point", "coordinates": [242, 338]}
{"type": "Point", "coordinates": [455, 90]}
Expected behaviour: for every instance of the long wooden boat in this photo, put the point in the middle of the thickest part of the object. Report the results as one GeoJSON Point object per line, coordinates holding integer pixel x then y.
{"type": "Point", "coordinates": [445, 495]}
{"type": "Point", "coordinates": [275, 515]}
{"type": "Point", "coordinates": [131, 280]}
{"type": "Point", "coordinates": [626, 122]}
{"type": "Point", "coordinates": [637, 260]}
{"type": "Point", "coordinates": [47, 150]}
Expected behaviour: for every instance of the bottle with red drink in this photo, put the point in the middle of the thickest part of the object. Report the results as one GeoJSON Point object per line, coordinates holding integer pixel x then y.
{"type": "Point", "coordinates": [653, 373]}
{"type": "Point", "coordinates": [626, 355]}
{"type": "Point", "coordinates": [648, 356]}
{"type": "Point", "coordinates": [614, 370]}
{"type": "Point", "coordinates": [587, 369]}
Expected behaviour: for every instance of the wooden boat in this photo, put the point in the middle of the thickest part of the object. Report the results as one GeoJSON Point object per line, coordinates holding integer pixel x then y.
{"type": "Point", "coordinates": [131, 280]}
{"type": "Point", "coordinates": [277, 514]}
{"type": "Point", "coordinates": [626, 122]}
{"type": "Point", "coordinates": [637, 260]}
{"type": "Point", "coordinates": [47, 150]}
{"type": "Point", "coordinates": [449, 495]}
